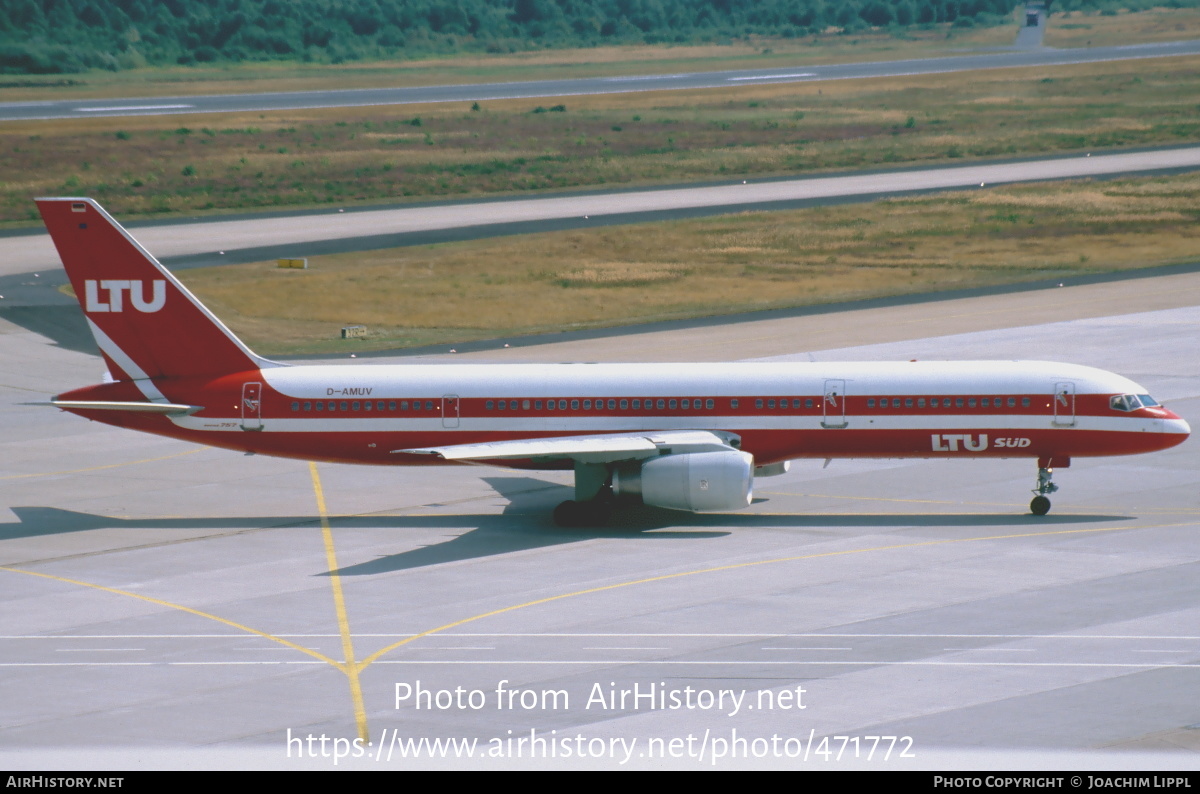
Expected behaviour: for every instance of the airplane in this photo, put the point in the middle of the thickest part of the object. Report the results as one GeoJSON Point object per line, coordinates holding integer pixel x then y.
{"type": "Point", "coordinates": [691, 437]}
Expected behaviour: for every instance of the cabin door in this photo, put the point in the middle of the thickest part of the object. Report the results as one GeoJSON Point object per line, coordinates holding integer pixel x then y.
{"type": "Point", "coordinates": [1064, 404]}
{"type": "Point", "coordinates": [450, 410]}
{"type": "Point", "coordinates": [252, 406]}
{"type": "Point", "coordinates": [834, 404]}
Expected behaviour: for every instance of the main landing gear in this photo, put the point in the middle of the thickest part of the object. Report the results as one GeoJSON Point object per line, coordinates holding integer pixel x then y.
{"type": "Point", "coordinates": [593, 500]}
{"type": "Point", "coordinates": [1040, 505]}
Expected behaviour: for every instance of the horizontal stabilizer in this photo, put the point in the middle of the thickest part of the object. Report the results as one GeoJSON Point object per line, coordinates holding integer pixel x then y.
{"type": "Point", "coordinates": [167, 409]}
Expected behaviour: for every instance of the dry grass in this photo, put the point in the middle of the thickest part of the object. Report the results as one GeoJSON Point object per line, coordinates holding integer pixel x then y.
{"type": "Point", "coordinates": [619, 275]}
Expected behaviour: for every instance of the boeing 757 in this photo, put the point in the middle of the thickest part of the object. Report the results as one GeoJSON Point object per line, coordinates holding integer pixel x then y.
{"type": "Point", "coordinates": [681, 436]}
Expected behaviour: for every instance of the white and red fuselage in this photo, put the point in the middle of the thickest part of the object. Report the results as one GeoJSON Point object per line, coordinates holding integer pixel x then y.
{"type": "Point", "coordinates": [685, 436]}
{"type": "Point", "coordinates": [780, 411]}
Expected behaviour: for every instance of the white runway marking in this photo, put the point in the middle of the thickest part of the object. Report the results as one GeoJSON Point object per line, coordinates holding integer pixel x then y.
{"type": "Point", "coordinates": [121, 108]}
{"type": "Point", "coordinates": [775, 76]}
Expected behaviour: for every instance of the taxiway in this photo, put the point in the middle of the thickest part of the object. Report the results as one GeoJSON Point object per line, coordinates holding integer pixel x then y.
{"type": "Point", "coordinates": [184, 606]}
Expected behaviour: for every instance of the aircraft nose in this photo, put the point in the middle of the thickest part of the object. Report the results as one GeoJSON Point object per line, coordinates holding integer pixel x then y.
{"type": "Point", "coordinates": [1176, 426]}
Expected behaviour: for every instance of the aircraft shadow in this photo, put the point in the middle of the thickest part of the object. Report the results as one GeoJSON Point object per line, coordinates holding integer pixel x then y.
{"type": "Point", "coordinates": [524, 524]}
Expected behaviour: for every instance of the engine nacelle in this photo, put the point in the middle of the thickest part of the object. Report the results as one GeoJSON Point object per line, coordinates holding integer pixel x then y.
{"type": "Point", "coordinates": [695, 481]}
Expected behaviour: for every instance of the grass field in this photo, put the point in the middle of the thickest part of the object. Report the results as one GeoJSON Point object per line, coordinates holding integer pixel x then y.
{"type": "Point", "coordinates": [620, 275]}
{"type": "Point", "coordinates": [226, 162]}
{"type": "Point", "coordinates": [488, 289]}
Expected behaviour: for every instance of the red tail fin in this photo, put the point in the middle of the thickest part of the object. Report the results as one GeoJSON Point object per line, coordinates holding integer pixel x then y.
{"type": "Point", "coordinates": [145, 322]}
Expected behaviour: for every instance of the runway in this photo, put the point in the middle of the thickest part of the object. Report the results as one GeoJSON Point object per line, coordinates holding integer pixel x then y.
{"type": "Point", "coordinates": [176, 606]}
{"type": "Point", "coordinates": [480, 92]}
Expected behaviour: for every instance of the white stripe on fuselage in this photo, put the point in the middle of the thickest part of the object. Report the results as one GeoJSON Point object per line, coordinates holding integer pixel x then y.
{"type": "Point", "coordinates": [140, 379]}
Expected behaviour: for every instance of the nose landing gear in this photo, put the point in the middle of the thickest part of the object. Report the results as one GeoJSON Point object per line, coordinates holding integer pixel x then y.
{"type": "Point", "coordinates": [1045, 485]}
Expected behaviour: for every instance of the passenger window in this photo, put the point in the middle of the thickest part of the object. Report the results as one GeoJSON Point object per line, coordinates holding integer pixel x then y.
{"type": "Point", "coordinates": [661, 404]}
{"type": "Point", "coordinates": [587, 405]}
{"type": "Point", "coordinates": [307, 406]}
{"type": "Point", "coordinates": [733, 404]}
{"type": "Point", "coordinates": [624, 405]}
{"type": "Point", "coordinates": [758, 403]}
{"type": "Point", "coordinates": [686, 404]}
{"type": "Point", "coordinates": [920, 402]}
{"type": "Point", "coordinates": [612, 405]}
{"type": "Point", "coordinates": [574, 405]}
{"type": "Point", "coordinates": [971, 402]}
{"type": "Point", "coordinates": [709, 404]}
{"type": "Point", "coordinates": [295, 406]}
{"type": "Point", "coordinates": [537, 405]}
{"type": "Point", "coordinates": [983, 403]}
{"type": "Point", "coordinates": [671, 404]}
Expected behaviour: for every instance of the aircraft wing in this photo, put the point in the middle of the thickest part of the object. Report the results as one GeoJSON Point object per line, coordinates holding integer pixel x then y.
{"type": "Point", "coordinates": [587, 449]}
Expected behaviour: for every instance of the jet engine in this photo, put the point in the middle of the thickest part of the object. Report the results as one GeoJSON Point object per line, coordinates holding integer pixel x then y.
{"type": "Point", "coordinates": [695, 481]}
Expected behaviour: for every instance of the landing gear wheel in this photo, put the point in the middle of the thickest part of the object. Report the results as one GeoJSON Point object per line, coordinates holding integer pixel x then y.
{"type": "Point", "coordinates": [582, 514]}
{"type": "Point", "coordinates": [1040, 506]}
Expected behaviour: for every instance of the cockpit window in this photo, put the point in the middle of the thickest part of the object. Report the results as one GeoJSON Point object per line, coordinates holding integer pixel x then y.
{"type": "Point", "coordinates": [1131, 402]}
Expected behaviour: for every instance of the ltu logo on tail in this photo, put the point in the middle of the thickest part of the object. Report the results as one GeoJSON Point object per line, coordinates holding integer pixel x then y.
{"type": "Point", "coordinates": [116, 288]}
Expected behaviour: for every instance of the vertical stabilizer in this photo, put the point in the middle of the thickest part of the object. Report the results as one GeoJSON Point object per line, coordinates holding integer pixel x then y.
{"type": "Point", "coordinates": [145, 322]}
